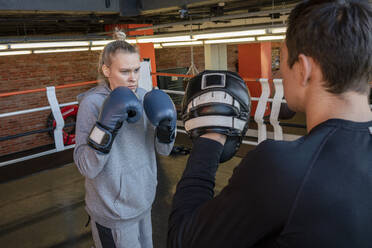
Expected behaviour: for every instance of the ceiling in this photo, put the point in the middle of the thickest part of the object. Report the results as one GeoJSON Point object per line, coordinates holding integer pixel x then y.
{"type": "Point", "coordinates": [26, 20]}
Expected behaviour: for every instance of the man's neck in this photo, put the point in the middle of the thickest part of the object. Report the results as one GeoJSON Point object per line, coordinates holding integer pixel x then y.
{"type": "Point", "coordinates": [323, 106]}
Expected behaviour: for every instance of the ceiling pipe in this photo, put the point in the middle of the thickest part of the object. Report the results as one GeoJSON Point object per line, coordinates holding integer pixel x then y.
{"type": "Point", "coordinates": [216, 30]}
{"type": "Point", "coordinates": [224, 29]}
{"type": "Point", "coordinates": [105, 35]}
{"type": "Point", "coordinates": [219, 18]}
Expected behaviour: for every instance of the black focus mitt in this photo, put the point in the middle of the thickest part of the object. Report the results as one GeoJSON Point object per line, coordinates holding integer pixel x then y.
{"type": "Point", "coordinates": [217, 102]}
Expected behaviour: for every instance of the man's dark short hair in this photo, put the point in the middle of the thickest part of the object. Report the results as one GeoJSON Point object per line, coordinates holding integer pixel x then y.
{"type": "Point", "coordinates": [338, 36]}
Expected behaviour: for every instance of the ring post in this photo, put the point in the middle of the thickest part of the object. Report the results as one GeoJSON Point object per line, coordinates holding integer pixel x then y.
{"type": "Point", "coordinates": [275, 109]}
{"type": "Point", "coordinates": [52, 99]}
{"type": "Point", "coordinates": [261, 108]}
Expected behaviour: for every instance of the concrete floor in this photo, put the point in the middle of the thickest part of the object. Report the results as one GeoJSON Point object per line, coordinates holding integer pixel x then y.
{"type": "Point", "coordinates": [47, 209]}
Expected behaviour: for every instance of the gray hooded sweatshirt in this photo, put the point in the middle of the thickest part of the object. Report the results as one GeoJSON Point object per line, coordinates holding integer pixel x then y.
{"type": "Point", "coordinates": [120, 185]}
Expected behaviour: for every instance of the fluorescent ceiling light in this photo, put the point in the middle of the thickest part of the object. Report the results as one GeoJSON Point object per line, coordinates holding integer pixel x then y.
{"type": "Point", "coordinates": [97, 48]}
{"type": "Point", "coordinates": [157, 46]}
{"type": "Point", "coordinates": [278, 30]}
{"type": "Point", "coordinates": [248, 39]}
{"type": "Point", "coordinates": [165, 39]}
{"type": "Point", "coordinates": [105, 42]}
{"type": "Point", "coordinates": [272, 37]}
{"type": "Point", "coordinates": [61, 50]}
{"type": "Point", "coordinates": [131, 41]}
{"type": "Point", "coordinates": [230, 34]}
{"type": "Point", "coordinates": [15, 53]}
{"type": "Point", "coordinates": [3, 47]}
{"type": "Point", "coordinates": [49, 44]}
{"type": "Point", "coordinates": [186, 43]}
{"type": "Point", "coordinates": [101, 42]}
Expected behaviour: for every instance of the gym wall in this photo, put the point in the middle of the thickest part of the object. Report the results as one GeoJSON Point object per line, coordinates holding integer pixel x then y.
{"type": "Point", "coordinates": [167, 58]}
{"type": "Point", "coordinates": [24, 72]}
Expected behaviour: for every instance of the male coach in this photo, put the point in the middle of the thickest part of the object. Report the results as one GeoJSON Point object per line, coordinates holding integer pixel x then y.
{"type": "Point", "coordinates": [312, 192]}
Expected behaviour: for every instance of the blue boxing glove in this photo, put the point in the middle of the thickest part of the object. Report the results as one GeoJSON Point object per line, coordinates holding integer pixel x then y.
{"type": "Point", "coordinates": [162, 114]}
{"type": "Point", "coordinates": [121, 105]}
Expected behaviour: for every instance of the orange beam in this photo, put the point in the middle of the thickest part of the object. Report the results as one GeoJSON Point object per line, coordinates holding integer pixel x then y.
{"type": "Point", "coordinates": [23, 92]}
{"type": "Point", "coordinates": [76, 84]}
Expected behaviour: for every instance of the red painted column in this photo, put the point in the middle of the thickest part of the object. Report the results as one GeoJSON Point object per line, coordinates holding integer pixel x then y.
{"type": "Point", "coordinates": [254, 61]}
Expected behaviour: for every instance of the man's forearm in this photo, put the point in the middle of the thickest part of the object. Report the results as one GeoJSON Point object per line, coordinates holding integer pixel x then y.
{"type": "Point", "coordinates": [195, 187]}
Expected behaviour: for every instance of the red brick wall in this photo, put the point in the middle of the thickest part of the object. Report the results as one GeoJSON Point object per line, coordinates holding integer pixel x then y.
{"type": "Point", "coordinates": [23, 72]}
{"type": "Point", "coordinates": [168, 58]}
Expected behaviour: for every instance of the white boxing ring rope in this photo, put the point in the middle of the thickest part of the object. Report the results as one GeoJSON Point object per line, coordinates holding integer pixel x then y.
{"type": "Point", "coordinates": [250, 132]}
{"type": "Point", "coordinates": [261, 133]}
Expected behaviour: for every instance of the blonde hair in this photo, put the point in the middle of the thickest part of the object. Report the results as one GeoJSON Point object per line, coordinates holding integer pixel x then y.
{"type": "Point", "coordinates": [113, 47]}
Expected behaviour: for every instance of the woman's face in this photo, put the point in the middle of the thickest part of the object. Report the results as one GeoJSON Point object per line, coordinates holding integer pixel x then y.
{"type": "Point", "coordinates": [123, 71]}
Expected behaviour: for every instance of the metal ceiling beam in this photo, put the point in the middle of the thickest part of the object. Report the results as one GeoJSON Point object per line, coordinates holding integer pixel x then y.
{"type": "Point", "coordinates": [124, 7]}
{"type": "Point", "coordinates": [6, 40]}
{"type": "Point", "coordinates": [218, 30]}
{"type": "Point", "coordinates": [219, 18]}
{"type": "Point", "coordinates": [57, 5]}
{"type": "Point", "coordinates": [162, 4]}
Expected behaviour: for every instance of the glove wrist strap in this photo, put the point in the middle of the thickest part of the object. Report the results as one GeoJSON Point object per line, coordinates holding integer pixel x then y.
{"type": "Point", "coordinates": [101, 138]}
{"type": "Point", "coordinates": [165, 136]}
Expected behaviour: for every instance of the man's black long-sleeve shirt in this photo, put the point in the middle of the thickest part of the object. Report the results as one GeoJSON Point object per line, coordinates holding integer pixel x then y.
{"type": "Point", "coordinates": [312, 192]}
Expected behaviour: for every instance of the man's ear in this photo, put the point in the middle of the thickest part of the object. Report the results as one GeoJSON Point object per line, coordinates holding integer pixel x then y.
{"type": "Point", "coordinates": [305, 67]}
{"type": "Point", "coordinates": [106, 70]}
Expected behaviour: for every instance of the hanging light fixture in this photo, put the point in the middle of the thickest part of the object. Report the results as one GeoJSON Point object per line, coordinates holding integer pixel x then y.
{"type": "Point", "coordinates": [62, 50]}
{"type": "Point", "coordinates": [97, 48]}
{"type": "Point", "coordinates": [280, 30]}
{"type": "Point", "coordinates": [105, 42]}
{"type": "Point", "coordinates": [230, 34]}
{"type": "Point", "coordinates": [180, 38]}
{"type": "Point", "coordinates": [271, 37]}
{"type": "Point", "coordinates": [15, 53]}
{"type": "Point", "coordinates": [49, 44]}
{"type": "Point", "coordinates": [186, 43]}
{"type": "Point", "coordinates": [237, 40]}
